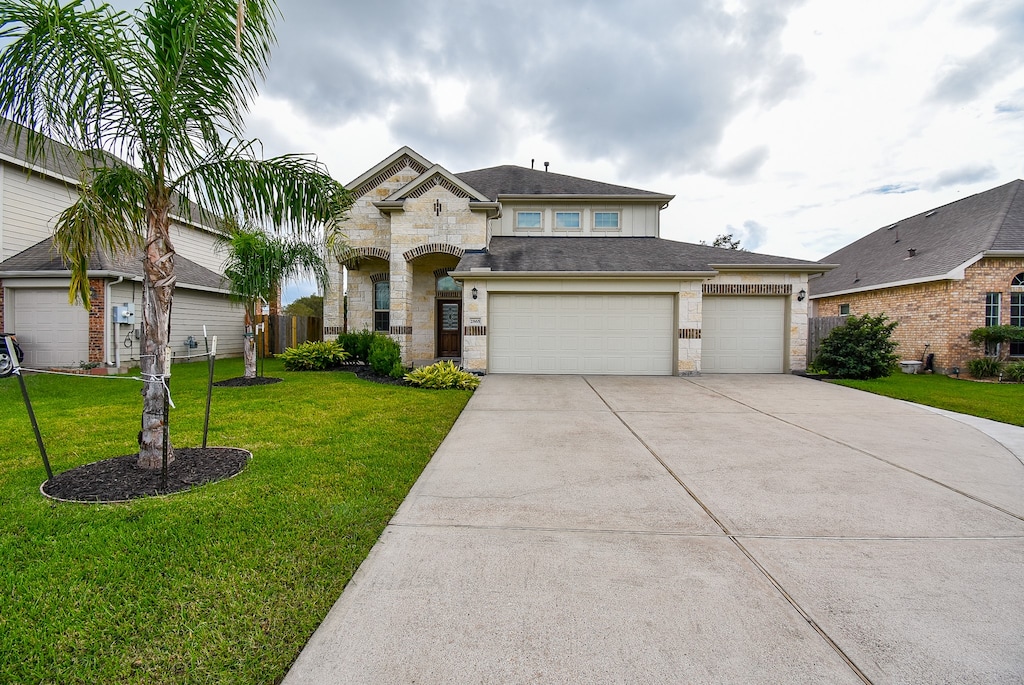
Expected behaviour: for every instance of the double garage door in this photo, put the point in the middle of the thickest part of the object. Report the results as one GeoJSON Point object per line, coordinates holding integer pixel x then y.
{"type": "Point", "coordinates": [629, 334]}
{"type": "Point", "coordinates": [581, 333]}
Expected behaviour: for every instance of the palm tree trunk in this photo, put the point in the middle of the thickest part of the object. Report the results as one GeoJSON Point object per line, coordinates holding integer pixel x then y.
{"type": "Point", "coordinates": [249, 345]}
{"type": "Point", "coordinates": [158, 291]}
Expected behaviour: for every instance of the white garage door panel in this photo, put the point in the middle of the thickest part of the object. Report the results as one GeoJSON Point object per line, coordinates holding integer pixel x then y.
{"type": "Point", "coordinates": [52, 332]}
{"type": "Point", "coordinates": [743, 334]}
{"type": "Point", "coordinates": [592, 333]}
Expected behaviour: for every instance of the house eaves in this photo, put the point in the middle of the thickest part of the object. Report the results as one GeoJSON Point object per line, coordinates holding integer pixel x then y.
{"type": "Point", "coordinates": [586, 198]}
{"type": "Point", "coordinates": [956, 274]}
{"type": "Point", "coordinates": [390, 160]}
{"type": "Point", "coordinates": [487, 274]}
{"type": "Point", "coordinates": [810, 267]}
{"type": "Point", "coordinates": [433, 174]}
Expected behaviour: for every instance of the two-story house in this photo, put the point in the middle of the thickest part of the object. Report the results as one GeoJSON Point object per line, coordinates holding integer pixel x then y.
{"type": "Point", "coordinates": [34, 282]}
{"type": "Point", "coordinates": [516, 270]}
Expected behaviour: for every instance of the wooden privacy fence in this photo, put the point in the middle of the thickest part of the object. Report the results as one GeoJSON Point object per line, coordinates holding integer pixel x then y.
{"type": "Point", "coordinates": [818, 328]}
{"type": "Point", "coordinates": [281, 332]}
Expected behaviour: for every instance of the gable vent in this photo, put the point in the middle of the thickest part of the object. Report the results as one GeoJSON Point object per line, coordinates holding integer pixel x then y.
{"type": "Point", "coordinates": [402, 163]}
{"type": "Point", "coordinates": [438, 180]}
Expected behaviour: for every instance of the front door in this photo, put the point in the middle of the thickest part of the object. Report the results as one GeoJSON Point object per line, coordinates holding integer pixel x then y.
{"type": "Point", "coordinates": [449, 325]}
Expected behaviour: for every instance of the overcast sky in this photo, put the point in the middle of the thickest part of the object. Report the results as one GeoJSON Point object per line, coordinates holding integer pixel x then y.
{"type": "Point", "coordinates": [796, 126]}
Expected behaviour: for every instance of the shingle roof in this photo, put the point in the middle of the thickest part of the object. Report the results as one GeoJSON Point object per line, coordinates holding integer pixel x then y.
{"type": "Point", "coordinates": [515, 180]}
{"type": "Point", "coordinates": [942, 239]}
{"type": "Point", "coordinates": [512, 254]}
{"type": "Point", "coordinates": [43, 257]}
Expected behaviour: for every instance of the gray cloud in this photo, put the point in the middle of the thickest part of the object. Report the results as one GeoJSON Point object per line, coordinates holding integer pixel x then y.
{"type": "Point", "coordinates": [751, 235]}
{"type": "Point", "coordinates": [964, 175]}
{"type": "Point", "coordinates": [891, 189]}
{"type": "Point", "coordinates": [960, 81]}
{"type": "Point", "coordinates": [645, 84]}
{"type": "Point", "coordinates": [743, 166]}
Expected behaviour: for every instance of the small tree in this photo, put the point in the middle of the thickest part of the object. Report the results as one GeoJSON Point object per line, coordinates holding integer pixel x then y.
{"type": "Point", "coordinates": [257, 263]}
{"type": "Point", "coordinates": [862, 348]}
{"type": "Point", "coordinates": [990, 336]}
{"type": "Point", "coordinates": [725, 240]}
{"type": "Point", "coordinates": [310, 305]}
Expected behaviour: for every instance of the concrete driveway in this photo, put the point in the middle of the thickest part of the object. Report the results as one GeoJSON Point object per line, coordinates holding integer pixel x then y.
{"type": "Point", "coordinates": [720, 529]}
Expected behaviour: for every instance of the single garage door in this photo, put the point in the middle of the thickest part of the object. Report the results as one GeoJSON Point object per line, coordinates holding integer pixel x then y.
{"type": "Point", "coordinates": [581, 333]}
{"type": "Point", "coordinates": [743, 334]}
{"type": "Point", "coordinates": [50, 331]}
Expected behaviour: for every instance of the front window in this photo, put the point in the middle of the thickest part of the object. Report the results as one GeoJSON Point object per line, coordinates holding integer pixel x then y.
{"type": "Point", "coordinates": [1017, 311]}
{"type": "Point", "coordinates": [382, 306]}
{"type": "Point", "coordinates": [606, 220]}
{"type": "Point", "coordinates": [528, 221]}
{"type": "Point", "coordinates": [844, 310]}
{"type": "Point", "coordinates": [993, 305]}
{"type": "Point", "coordinates": [448, 287]}
{"type": "Point", "coordinates": [567, 220]}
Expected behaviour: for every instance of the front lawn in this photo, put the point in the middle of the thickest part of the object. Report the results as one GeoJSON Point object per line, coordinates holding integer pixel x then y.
{"type": "Point", "coordinates": [998, 401]}
{"type": "Point", "coordinates": [222, 584]}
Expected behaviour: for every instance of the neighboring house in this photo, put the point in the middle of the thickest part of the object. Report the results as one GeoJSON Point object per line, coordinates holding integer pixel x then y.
{"type": "Point", "coordinates": [941, 274]}
{"type": "Point", "coordinates": [514, 270]}
{"type": "Point", "coordinates": [34, 283]}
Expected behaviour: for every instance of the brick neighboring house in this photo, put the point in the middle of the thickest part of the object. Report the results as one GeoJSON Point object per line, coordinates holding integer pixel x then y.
{"type": "Point", "coordinates": [941, 274]}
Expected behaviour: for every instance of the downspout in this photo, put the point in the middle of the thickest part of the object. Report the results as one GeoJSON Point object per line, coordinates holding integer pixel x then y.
{"type": "Point", "coordinates": [108, 325]}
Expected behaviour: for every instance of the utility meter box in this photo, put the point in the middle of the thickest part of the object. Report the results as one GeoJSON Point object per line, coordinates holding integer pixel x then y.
{"type": "Point", "coordinates": [125, 313]}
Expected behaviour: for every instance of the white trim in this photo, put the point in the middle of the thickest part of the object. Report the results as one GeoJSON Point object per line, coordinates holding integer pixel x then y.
{"type": "Point", "coordinates": [806, 268]}
{"type": "Point", "coordinates": [528, 229]}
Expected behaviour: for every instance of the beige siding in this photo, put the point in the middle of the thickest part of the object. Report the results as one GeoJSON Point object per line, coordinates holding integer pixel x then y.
{"type": "Point", "coordinates": [198, 245]}
{"type": "Point", "coordinates": [191, 310]}
{"type": "Point", "coordinates": [31, 205]}
{"type": "Point", "coordinates": [635, 219]}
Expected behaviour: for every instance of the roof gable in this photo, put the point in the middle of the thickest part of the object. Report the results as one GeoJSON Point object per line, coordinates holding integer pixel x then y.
{"type": "Point", "coordinates": [386, 168]}
{"type": "Point", "coordinates": [508, 180]}
{"type": "Point", "coordinates": [931, 245]}
{"type": "Point", "coordinates": [431, 178]}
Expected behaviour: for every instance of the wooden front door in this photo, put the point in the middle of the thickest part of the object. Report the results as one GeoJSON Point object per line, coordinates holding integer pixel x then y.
{"type": "Point", "coordinates": [449, 328]}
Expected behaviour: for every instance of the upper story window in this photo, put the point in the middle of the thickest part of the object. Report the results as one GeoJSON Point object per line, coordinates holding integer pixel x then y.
{"type": "Point", "coordinates": [382, 306]}
{"type": "Point", "coordinates": [606, 221]}
{"type": "Point", "coordinates": [529, 221]}
{"type": "Point", "coordinates": [567, 221]}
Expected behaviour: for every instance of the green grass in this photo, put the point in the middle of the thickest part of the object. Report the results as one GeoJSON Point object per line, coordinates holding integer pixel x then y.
{"type": "Point", "coordinates": [998, 401]}
{"type": "Point", "coordinates": [221, 584]}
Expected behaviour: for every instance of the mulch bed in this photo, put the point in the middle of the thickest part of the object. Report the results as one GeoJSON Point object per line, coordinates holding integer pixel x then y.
{"type": "Point", "coordinates": [243, 382]}
{"type": "Point", "coordinates": [119, 479]}
{"type": "Point", "coordinates": [367, 373]}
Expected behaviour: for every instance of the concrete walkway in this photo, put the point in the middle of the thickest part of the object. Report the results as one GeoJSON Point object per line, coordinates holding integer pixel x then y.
{"type": "Point", "coordinates": [721, 529]}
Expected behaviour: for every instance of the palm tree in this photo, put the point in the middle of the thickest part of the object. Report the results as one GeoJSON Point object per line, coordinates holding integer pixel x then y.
{"type": "Point", "coordinates": [166, 89]}
{"type": "Point", "coordinates": [257, 264]}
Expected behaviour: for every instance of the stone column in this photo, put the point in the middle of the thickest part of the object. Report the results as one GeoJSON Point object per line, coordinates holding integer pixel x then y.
{"type": "Point", "coordinates": [401, 303]}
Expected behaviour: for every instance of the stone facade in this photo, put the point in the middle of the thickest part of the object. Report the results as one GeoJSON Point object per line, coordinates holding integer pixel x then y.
{"type": "Point", "coordinates": [425, 236]}
{"type": "Point", "coordinates": [941, 314]}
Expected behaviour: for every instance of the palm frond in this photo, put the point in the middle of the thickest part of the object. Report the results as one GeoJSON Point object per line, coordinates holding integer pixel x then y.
{"type": "Point", "coordinates": [291, 191]}
{"type": "Point", "coordinates": [108, 216]}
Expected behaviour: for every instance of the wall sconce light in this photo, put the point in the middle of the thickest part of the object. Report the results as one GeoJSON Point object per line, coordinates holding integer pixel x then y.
{"type": "Point", "coordinates": [801, 295]}
{"type": "Point", "coordinates": [475, 293]}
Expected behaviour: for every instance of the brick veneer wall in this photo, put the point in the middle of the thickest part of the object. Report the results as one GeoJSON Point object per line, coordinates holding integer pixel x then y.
{"type": "Point", "coordinates": [97, 319]}
{"type": "Point", "coordinates": [941, 313]}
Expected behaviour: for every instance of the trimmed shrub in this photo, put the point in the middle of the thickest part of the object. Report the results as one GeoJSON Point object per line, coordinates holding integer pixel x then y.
{"type": "Point", "coordinates": [984, 367]}
{"type": "Point", "coordinates": [1014, 371]}
{"type": "Point", "coordinates": [314, 356]}
{"type": "Point", "coordinates": [385, 357]}
{"type": "Point", "coordinates": [358, 344]}
{"type": "Point", "coordinates": [862, 348]}
{"type": "Point", "coordinates": [442, 376]}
